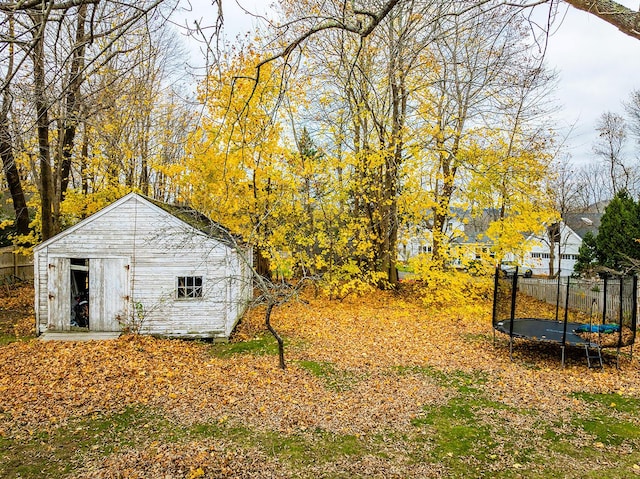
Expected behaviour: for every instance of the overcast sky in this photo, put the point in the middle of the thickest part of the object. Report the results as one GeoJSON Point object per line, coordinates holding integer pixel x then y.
{"type": "Point", "coordinates": [598, 67]}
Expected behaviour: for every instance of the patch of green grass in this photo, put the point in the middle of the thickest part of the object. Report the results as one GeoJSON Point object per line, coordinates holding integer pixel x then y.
{"type": "Point", "coordinates": [459, 440]}
{"type": "Point", "coordinates": [305, 447]}
{"type": "Point", "coordinates": [457, 409]}
{"type": "Point", "coordinates": [405, 268]}
{"type": "Point", "coordinates": [612, 419]}
{"type": "Point", "coordinates": [609, 430]}
{"type": "Point", "coordinates": [259, 346]}
{"type": "Point", "coordinates": [8, 322]}
{"type": "Point", "coordinates": [335, 379]}
{"type": "Point", "coordinates": [316, 447]}
{"type": "Point", "coordinates": [55, 453]}
{"type": "Point", "coordinates": [613, 401]}
{"type": "Point", "coordinates": [466, 437]}
{"type": "Point", "coordinates": [318, 369]}
{"type": "Point", "coordinates": [603, 455]}
{"type": "Point", "coordinates": [7, 339]}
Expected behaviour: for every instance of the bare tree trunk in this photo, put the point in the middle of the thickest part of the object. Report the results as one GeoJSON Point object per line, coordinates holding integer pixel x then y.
{"type": "Point", "coordinates": [443, 200]}
{"type": "Point", "coordinates": [6, 152]}
{"type": "Point", "coordinates": [552, 260]}
{"type": "Point", "coordinates": [13, 178]}
{"type": "Point", "coordinates": [42, 121]}
{"type": "Point", "coordinates": [73, 101]}
{"type": "Point", "coordinates": [267, 320]}
{"type": "Point", "coordinates": [391, 186]}
{"type": "Point", "coordinates": [144, 154]}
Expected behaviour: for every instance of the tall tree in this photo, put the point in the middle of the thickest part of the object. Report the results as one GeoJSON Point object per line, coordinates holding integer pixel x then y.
{"type": "Point", "coordinates": [484, 116]}
{"type": "Point", "coordinates": [587, 255]}
{"type": "Point", "coordinates": [419, 96]}
{"type": "Point", "coordinates": [9, 165]}
{"type": "Point", "coordinates": [565, 187]}
{"type": "Point", "coordinates": [566, 195]}
{"type": "Point", "coordinates": [595, 185]}
{"type": "Point", "coordinates": [619, 233]}
{"type": "Point", "coordinates": [62, 44]}
{"type": "Point", "coordinates": [233, 169]}
{"type": "Point", "coordinates": [632, 108]}
{"type": "Point", "coordinates": [363, 93]}
{"type": "Point", "coordinates": [612, 132]}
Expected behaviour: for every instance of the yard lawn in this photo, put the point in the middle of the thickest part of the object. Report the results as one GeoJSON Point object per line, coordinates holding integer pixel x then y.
{"type": "Point", "coordinates": [375, 387]}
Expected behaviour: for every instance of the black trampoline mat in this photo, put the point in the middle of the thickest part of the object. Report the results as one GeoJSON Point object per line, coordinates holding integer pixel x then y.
{"type": "Point", "coordinates": [542, 330]}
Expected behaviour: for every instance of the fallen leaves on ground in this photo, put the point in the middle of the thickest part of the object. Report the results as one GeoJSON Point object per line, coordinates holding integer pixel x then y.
{"type": "Point", "coordinates": [379, 343]}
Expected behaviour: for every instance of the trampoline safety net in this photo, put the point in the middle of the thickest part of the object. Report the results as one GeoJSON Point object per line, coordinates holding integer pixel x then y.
{"type": "Point", "coordinates": [567, 310]}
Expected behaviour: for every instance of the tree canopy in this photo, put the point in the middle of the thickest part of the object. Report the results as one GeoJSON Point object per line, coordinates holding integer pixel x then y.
{"type": "Point", "coordinates": [337, 136]}
{"type": "Point", "coordinates": [618, 237]}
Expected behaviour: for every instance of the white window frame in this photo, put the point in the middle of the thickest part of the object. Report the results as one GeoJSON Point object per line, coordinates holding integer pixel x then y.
{"type": "Point", "coordinates": [189, 287]}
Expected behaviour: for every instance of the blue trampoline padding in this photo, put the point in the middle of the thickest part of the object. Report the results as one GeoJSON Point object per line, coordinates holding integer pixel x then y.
{"type": "Point", "coordinates": [598, 328]}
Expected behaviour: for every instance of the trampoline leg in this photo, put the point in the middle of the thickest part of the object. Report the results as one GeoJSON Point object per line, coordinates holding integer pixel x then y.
{"type": "Point", "coordinates": [563, 356]}
{"type": "Point", "coordinates": [511, 348]}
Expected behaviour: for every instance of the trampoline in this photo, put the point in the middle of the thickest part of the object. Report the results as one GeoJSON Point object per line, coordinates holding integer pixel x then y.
{"type": "Point", "coordinates": [570, 312]}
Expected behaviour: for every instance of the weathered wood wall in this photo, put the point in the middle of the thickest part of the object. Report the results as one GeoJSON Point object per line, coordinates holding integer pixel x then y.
{"type": "Point", "coordinates": [155, 248]}
{"type": "Point", "coordinates": [14, 265]}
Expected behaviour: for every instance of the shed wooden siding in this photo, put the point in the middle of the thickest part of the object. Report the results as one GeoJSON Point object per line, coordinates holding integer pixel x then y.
{"type": "Point", "coordinates": [155, 248]}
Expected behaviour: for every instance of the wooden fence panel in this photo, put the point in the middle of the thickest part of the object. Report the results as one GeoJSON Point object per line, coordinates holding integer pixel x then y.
{"type": "Point", "coordinates": [14, 265]}
{"type": "Point", "coordinates": [585, 296]}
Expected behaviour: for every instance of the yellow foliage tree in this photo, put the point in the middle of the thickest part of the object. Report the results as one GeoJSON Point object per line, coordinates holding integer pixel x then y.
{"type": "Point", "coordinates": [509, 184]}
{"type": "Point", "coordinates": [235, 169]}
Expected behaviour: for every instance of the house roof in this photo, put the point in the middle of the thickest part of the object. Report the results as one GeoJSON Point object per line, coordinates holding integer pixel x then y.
{"type": "Point", "coordinates": [197, 220]}
{"type": "Point", "coordinates": [475, 227]}
{"type": "Point", "coordinates": [583, 223]}
{"type": "Point", "coordinates": [187, 215]}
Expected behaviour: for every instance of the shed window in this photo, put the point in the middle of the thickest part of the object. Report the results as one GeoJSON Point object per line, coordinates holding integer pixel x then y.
{"type": "Point", "coordinates": [189, 286]}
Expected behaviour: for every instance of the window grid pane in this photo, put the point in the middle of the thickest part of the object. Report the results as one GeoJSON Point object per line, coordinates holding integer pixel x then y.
{"type": "Point", "coordinates": [189, 287]}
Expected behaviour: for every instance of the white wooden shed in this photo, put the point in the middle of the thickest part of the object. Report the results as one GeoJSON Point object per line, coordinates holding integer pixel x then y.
{"type": "Point", "coordinates": [146, 266]}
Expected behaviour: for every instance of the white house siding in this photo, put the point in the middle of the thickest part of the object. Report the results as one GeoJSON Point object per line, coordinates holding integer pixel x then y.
{"type": "Point", "coordinates": [538, 253]}
{"type": "Point", "coordinates": [105, 239]}
{"type": "Point", "coordinates": [138, 250]}
{"type": "Point", "coordinates": [239, 291]}
{"type": "Point", "coordinates": [154, 288]}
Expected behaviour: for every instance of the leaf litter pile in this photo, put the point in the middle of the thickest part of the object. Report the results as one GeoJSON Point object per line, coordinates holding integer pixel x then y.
{"type": "Point", "coordinates": [376, 386]}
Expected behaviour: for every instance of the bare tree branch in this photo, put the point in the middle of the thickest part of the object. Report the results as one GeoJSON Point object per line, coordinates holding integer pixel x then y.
{"type": "Point", "coordinates": [10, 7]}
{"type": "Point", "coordinates": [625, 19]}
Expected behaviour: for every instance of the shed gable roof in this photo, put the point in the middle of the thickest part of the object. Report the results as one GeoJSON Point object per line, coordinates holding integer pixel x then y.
{"type": "Point", "coordinates": [197, 220]}
{"type": "Point", "coordinates": [188, 216]}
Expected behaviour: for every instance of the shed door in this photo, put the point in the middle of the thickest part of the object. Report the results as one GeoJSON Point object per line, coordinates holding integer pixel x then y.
{"type": "Point", "coordinates": [59, 294]}
{"type": "Point", "coordinates": [108, 293]}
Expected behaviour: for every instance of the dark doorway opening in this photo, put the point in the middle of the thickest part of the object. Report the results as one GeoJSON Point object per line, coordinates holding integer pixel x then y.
{"type": "Point", "coordinates": [79, 293]}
